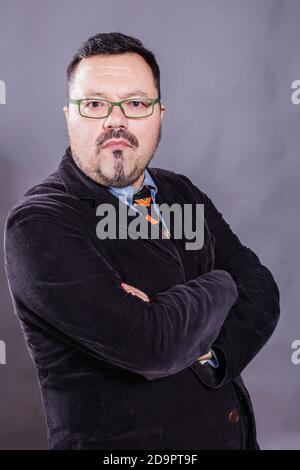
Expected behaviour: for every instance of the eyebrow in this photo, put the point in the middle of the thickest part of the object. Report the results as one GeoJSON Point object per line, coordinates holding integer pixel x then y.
{"type": "Point", "coordinates": [127, 95]}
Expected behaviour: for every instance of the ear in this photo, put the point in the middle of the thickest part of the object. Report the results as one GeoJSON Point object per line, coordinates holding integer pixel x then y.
{"type": "Point", "coordinates": [66, 111]}
{"type": "Point", "coordinates": [162, 111]}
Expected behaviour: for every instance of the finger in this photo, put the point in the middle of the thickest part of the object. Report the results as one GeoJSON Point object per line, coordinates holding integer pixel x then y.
{"type": "Point", "coordinates": [135, 291]}
{"type": "Point", "coordinates": [205, 357]}
{"type": "Point", "coordinates": [124, 285]}
{"type": "Point", "coordinates": [139, 294]}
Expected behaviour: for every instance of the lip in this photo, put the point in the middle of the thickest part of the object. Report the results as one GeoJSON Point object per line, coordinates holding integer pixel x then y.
{"type": "Point", "coordinates": [117, 143]}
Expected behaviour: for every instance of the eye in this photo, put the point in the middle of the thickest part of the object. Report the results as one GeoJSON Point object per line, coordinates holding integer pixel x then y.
{"type": "Point", "coordinates": [94, 104]}
{"type": "Point", "coordinates": [139, 103]}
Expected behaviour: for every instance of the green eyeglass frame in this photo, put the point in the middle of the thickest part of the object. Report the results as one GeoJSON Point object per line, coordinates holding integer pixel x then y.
{"type": "Point", "coordinates": [153, 101]}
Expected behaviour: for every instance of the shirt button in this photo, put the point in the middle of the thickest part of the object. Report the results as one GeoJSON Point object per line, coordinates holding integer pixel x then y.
{"type": "Point", "coordinates": [234, 416]}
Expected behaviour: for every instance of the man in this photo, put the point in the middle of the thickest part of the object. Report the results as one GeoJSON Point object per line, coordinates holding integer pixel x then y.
{"type": "Point", "coordinates": [138, 342]}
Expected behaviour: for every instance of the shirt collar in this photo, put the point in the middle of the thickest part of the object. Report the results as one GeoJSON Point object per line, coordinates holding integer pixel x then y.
{"type": "Point", "coordinates": [126, 193]}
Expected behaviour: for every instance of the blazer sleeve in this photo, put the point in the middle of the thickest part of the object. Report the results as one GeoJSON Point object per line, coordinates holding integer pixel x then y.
{"type": "Point", "coordinates": [60, 282]}
{"type": "Point", "coordinates": [253, 318]}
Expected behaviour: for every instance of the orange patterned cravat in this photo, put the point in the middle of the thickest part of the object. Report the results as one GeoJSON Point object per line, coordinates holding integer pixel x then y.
{"type": "Point", "coordinates": [144, 197]}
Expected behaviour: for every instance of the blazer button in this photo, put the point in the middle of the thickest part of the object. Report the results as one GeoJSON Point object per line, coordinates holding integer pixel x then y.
{"type": "Point", "coordinates": [234, 416]}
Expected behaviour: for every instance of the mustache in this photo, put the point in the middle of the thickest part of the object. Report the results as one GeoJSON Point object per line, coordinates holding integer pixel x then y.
{"type": "Point", "coordinates": [120, 134]}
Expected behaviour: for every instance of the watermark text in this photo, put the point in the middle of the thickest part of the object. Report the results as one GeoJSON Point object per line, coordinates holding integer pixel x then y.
{"type": "Point", "coordinates": [187, 222]}
{"type": "Point", "coordinates": [2, 352]}
{"type": "Point", "coordinates": [2, 92]}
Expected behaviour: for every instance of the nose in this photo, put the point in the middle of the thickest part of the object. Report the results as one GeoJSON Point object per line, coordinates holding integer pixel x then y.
{"type": "Point", "coordinates": [116, 119]}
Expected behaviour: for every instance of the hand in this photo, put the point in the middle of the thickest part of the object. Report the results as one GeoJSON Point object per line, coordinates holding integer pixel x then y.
{"type": "Point", "coordinates": [134, 291]}
{"type": "Point", "coordinates": [206, 357]}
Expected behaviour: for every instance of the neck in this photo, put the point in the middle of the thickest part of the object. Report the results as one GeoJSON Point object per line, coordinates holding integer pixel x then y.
{"type": "Point", "coordinates": [138, 183]}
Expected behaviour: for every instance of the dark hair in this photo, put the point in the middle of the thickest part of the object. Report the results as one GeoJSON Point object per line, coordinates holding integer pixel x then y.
{"type": "Point", "coordinates": [114, 43]}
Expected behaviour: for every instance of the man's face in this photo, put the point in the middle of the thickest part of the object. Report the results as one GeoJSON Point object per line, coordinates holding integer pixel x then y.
{"type": "Point", "coordinates": [113, 77]}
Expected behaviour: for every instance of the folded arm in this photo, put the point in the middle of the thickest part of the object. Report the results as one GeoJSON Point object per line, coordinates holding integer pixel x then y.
{"type": "Point", "coordinates": [254, 316]}
{"type": "Point", "coordinates": [70, 290]}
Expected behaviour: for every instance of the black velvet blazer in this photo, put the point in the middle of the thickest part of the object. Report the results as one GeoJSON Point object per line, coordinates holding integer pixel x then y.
{"type": "Point", "coordinates": [117, 372]}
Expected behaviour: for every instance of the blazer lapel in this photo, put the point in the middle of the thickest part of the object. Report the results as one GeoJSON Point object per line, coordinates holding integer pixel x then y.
{"type": "Point", "coordinates": [78, 184]}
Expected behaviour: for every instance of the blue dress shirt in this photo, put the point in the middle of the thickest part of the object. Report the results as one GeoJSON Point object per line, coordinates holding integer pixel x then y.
{"type": "Point", "coordinates": [126, 194]}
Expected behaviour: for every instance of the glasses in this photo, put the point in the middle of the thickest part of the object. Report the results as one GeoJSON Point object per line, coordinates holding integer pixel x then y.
{"type": "Point", "coordinates": [98, 108]}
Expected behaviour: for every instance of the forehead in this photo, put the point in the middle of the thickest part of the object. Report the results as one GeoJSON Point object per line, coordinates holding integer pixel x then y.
{"type": "Point", "coordinates": [113, 75]}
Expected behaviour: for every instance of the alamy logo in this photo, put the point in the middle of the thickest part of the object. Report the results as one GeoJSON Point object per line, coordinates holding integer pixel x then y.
{"type": "Point", "coordinates": [188, 223]}
{"type": "Point", "coordinates": [295, 358]}
{"type": "Point", "coordinates": [2, 92]}
{"type": "Point", "coordinates": [2, 352]}
{"type": "Point", "coordinates": [296, 94]}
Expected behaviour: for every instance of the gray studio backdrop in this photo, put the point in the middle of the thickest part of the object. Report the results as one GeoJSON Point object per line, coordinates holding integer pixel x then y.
{"type": "Point", "coordinates": [227, 68]}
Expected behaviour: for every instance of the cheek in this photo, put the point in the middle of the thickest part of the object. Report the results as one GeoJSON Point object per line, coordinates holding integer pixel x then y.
{"type": "Point", "coordinates": [83, 132]}
{"type": "Point", "coordinates": [151, 139]}
{"type": "Point", "coordinates": [146, 136]}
